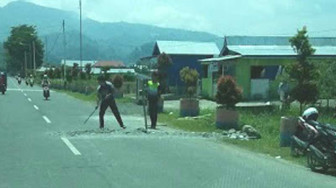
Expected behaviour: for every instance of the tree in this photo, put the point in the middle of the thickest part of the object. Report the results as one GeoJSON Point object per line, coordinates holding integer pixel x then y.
{"type": "Point", "coordinates": [189, 77]}
{"type": "Point", "coordinates": [75, 71]}
{"type": "Point", "coordinates": [163, 63]}
{"type": "Point", "coordinates": [88, 69]}
{"type": "Point", "coordinates": [22, 39]}
{"type": "Point", "coordinates": [327, 82]}
{"type": "Point", "coordinates": [303, 72]}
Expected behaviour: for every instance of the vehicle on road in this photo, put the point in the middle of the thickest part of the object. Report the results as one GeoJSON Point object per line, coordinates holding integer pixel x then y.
{"type": "Point", "coordinates": [46, 92]}
{"type": "Point", "coordinates": [31, 81]}
{"type": "Point", "coordinates": [3, 82]}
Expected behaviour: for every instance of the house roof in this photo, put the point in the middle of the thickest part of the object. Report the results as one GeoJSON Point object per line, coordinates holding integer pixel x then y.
{"type": "Point", "coordinates": [114, 64]}
{"type": "Point", "coordinates": [185, 48]}
{"type": "Point", "coordinates": [71, 63]}
{"type": "Point", "coordinates": [273, 50]}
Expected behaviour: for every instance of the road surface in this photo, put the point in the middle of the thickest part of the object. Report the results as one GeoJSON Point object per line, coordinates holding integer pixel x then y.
{"type": "Point", "coordinates": [40, 147]}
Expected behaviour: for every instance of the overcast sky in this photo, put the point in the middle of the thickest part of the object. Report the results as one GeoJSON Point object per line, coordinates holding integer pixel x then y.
{"type": "Point", "coordinates": [221, 17]}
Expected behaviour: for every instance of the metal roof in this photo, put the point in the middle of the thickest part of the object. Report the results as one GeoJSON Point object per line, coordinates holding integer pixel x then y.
{"type": "Point", "coordinates": [223, 58]}
{"type": "Point", "coordinates": [272, 50]}
{"type": "Point", "coordinates": [187, 48]}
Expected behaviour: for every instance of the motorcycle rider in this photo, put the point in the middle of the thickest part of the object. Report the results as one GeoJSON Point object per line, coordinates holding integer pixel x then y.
{"type": "Point", "coordinates": [31, 80]}
{"type": "Point", "coordinates": [45, 81]}
{"type": "Point", "coordinates": [3, 82]}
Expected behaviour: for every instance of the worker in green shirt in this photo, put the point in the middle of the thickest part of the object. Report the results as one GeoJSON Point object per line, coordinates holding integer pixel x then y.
{"type": "Point", "coordinates": [153, 94]}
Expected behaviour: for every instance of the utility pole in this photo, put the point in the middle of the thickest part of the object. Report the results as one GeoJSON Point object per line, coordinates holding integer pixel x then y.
{"type": "Point", "coordinates": [25, 66]}
{"type": "Point", "coordinates": [80, 37]}
{"type": "Point", "coordinates": [64, 53]}
{"type": "Point", "coordinates": [46, 49]}
{"type": "Point", "coordinates": [34, 58]}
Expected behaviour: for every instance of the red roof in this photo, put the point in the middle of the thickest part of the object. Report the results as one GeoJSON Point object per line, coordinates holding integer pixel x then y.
{"type": "Point", "coordinates": [114, 64]}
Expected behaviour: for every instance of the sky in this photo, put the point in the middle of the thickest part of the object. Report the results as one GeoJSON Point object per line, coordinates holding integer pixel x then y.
{"type": "Point", "coordinates": [221, 17]}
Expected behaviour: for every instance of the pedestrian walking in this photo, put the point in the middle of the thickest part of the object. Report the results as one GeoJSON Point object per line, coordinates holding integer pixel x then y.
{"type": "Point", "coordinates": [105, 99]}
{"type": "Point", "coordinates": [153, 94]}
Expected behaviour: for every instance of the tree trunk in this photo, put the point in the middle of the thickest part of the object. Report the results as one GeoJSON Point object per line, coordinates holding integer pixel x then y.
{"type": "Point", "coordinates": [300, 108]}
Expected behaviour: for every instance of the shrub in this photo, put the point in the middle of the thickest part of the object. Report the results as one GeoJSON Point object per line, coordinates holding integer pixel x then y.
{"type": "Point", "coordinates": [189, 77]}
{"type": "Point", "coordinates": [228, 93]}
{"type": "Point", "coordinates": [118, 81]}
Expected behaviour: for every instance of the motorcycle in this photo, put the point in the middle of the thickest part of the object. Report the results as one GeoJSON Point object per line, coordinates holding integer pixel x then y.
{"type": "Point", "coordinates": [46, 92]}
{"type": "Point", "coordinates": [31, 82]}
{"type": "Point", "coordinates": [3, 88]}
{"type": "Point", "coordinates": [322, 150]}
{"type": "Point", "coordinates": [305, 132]}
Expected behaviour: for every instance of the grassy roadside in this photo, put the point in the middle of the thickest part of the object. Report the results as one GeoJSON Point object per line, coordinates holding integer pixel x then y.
{"type": "Point", "coordinates": [267, 122]}
{"type": "Point", "coordinates": [92, 97]}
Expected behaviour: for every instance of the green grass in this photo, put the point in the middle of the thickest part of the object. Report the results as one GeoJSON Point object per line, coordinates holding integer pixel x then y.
{"type": "Point", "coordinates": [93, 97]}
{"type": "Point", "coordinates": [266, 121]}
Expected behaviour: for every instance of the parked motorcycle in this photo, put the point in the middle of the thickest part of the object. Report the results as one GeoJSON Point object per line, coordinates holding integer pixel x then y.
{"type": "Point", "coordinates": [322, 150]}
{"type": "Point", "coordinates": [316, 140]}
{"type": "Point", "coordinates": [305, 132]}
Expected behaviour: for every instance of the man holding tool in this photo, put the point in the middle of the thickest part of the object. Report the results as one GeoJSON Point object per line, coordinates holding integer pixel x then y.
{"type": "Point", "coordinates": [105, 99]}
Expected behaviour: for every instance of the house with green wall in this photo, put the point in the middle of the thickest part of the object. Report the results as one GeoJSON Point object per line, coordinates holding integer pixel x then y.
{"type": "Point", "coordinates": [255, 68]}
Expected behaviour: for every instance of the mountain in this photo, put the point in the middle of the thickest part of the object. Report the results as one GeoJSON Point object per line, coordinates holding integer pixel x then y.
{"type": "Point", "coordinates": [101, 41]}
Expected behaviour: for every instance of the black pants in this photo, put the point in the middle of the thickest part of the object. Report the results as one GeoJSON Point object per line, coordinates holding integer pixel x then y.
{"type": "Point", "coordinates": [112, 104]}
{"type": "Point", "coordinates": [153, 109]}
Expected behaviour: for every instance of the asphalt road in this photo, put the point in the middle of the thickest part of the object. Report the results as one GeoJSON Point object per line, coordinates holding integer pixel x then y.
{"type": "Point", "coordinates": [38, 149]}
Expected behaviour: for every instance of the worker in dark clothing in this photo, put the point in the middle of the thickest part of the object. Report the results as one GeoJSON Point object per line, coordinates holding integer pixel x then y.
{"type": "Point", "coordinates": [105, 99]}
{"type": "Point", "coordinates": [153, 94]}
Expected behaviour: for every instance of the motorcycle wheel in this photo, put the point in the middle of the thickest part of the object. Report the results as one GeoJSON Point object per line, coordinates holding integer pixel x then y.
{"type": "Point", "coordinates": [294, 150]}
{"type": "Point", "coordinates": [314, 164]}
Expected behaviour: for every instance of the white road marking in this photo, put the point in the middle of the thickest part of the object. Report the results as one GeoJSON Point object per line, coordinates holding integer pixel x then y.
{"type": "Point", "coordinates": [46, 119]}
{"type": "Point", "coordinates": [36, 107]}
{"type": "Point", "coordinates": [70, 146]}
{"type": "Point", "coordinates": [29, 99]}
{"type": "Point", "coordinates": [32, 90]}
{"type": "Point", "coordinates": [25, 94]}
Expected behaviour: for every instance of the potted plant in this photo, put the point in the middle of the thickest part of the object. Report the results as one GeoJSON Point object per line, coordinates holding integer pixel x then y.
{"type": "Point", "coordinates": [189, 106]}
{"type": "Point", "coordinates": [227, 96]}
{"type": "Point", "coordinates": [118, 82]}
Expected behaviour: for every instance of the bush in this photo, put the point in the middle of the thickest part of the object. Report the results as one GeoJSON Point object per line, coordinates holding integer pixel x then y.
{"type": "Point", "coordinates": [189, 77]}
{"type": "Point", "coordinates": [82, 75]}
{"type": "Point", "coordinates": [118, 81]}
{"type": "Point", "coordinates": [228, 93]}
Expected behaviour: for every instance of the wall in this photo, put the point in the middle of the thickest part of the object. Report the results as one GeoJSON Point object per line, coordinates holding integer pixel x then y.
{"type": "Point", "coordinates": [181, 61]}
{"type": "Point", "coordinates": [243, 70]}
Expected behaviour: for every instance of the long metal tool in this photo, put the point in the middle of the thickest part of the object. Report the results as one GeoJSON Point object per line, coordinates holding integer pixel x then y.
{"type": "Point", "coordinates": [90, 116]}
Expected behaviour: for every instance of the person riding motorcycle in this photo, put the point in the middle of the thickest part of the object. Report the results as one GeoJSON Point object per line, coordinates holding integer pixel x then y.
{"type": "Point", "coordinates": [3, 82]}
{"type": "Point", "coordinates": [31, 80]}
{"type": "Point", "coordinates": [45, 81]}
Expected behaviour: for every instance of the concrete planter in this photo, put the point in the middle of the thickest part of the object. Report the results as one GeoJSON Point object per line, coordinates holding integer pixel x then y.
{"type": "Point", "coordinates": [189, 107]}
{"type": "Point", "coordinates": [288, 127]}
{"type": "Point", "coordinates": [226, 119]}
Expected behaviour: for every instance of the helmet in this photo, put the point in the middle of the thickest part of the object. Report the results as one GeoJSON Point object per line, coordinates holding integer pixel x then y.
{"type": "Point", "coordinates": [310, 114]}
{"type": "Point", "coordinates": [2, 73]}
{"type": "Point", "coordinates": [45, 76]}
